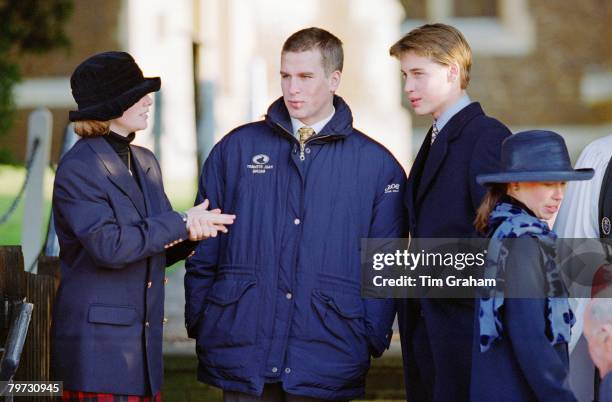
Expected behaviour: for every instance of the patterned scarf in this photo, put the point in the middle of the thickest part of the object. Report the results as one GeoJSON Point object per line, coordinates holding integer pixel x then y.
{"type": "Point", "coordinates": [513, 223]}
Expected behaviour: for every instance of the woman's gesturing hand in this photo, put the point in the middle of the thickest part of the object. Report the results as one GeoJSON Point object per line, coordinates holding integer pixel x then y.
{"type": "Point", "coordinates": [203, 223]}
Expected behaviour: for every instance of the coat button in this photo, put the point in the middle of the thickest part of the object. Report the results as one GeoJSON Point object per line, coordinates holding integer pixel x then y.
{"type": "Point", "coordinates": [274, 369]}
{"type": "Point", "coordinates": [287, 370]}
{"type": "Point", "coordinates": [149, 284]}
{"type": "Point", "coordinates": [147, 324]}
{"type": "Point", "coordinates": [165, 321]}
{"type": "Point", "coordinates": [296, 221]}
{"type": "Point", "coordinates": [307, 150]}
{"type": "Point", "coordinates": [166, 280]}
{"type": "Point", "coordinates": [288, 296]}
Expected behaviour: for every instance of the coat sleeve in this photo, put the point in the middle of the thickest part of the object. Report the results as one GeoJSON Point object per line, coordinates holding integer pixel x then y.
{"type": "Point", "coordinates": [524, 318]}
{"type": "Point", "coordinates": [81, 202]}
{"type": "Point", "coordinates": [181, 250]}
{"type": "Point", "coordinates": [202, 265]}
{"type": "Point", "coordinates": [486, 157]}
{"type": "Point", "coordinates": [388, 221]}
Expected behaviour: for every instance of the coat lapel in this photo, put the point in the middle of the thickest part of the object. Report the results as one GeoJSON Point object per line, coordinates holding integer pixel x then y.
{"type": "Point", "coordinates": [438, 150]}
{"type": "Point", "coordinates": [416, 172]}
{"type": "Point", "coordinates": [144, 169]}
{"type": "Point", "coordinates": [119, 174]}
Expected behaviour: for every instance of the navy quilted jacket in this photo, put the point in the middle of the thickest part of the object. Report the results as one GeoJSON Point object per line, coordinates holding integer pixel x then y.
{"type": "Point", "coordinates": [278, 297]}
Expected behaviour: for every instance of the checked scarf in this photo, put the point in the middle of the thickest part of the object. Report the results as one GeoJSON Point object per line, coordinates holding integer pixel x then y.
{"type": "Point", "coordinates": [513, 223]}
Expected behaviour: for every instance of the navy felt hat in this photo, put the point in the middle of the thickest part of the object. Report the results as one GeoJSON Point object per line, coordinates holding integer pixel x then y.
{"type": "Point", "coordinates": [107, 84]}
{"type": "Point", "coordinates": [535, 155]}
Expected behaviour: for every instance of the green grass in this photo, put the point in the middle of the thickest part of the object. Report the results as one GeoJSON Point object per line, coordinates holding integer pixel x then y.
{"type": "Point", "coordinates": [11, 179]}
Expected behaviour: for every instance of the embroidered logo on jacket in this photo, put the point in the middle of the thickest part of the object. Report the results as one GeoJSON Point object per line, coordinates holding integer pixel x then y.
{"type": "Point", "coordinates": [392, 188]}
{"type": "Point", "coordinates": [260, 164]}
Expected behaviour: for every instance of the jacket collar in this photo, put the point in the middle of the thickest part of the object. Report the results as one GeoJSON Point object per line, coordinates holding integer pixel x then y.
{"type": "Point", "coordinates": [143, 165]}
{"type": "Point", "coordinates": [463, 101]}
{"type": "Point", "coordinates": [340, 125]}
{"type": "Point", "coordinates": [118, 173]}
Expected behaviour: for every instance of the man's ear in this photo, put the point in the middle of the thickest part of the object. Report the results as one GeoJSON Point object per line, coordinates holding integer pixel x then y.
{"type": "Point", "coordinates": [453, 72]}
{"type": "Point", "coordinates": [606, 337]}
{"type": "Point", "coordinates": [334, 81]}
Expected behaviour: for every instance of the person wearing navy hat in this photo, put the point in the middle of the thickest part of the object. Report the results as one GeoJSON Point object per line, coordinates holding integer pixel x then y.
{"type": "Point", "coordinates": [522, 325]}
{"type": "Point", "coordinates": [117, 232]}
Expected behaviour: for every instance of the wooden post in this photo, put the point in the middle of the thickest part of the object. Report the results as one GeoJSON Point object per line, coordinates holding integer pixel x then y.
{"type": "Point", "coordinates": [52, 244]}
{"type": "Point", "coordinates": [39, 128]}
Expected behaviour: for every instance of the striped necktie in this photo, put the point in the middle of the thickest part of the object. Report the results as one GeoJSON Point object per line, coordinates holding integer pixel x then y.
{"type": "Point", "coordinates": [434, 132]}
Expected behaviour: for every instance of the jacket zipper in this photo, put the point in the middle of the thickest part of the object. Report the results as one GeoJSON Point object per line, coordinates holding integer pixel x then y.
{"type": "Point", "coordinates": [303, 145]}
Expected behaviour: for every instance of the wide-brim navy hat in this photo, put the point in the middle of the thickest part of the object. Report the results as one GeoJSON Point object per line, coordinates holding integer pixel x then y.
{"type": "Point", "coordinates": [535, 156]}
{"type": "Point", "coordinates": [107, 84]}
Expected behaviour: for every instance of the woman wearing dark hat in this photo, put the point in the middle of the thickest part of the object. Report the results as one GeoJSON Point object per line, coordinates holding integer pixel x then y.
{"type": "Point", "coordinates": [117, 232]}
{"type": "Point", "coordinates": [523, 323]}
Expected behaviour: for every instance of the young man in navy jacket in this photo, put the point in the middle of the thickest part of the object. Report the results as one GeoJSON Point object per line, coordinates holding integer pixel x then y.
{"type": "Point", "coordinates": [441, 198]}
{"type": "Point", "coordinates": [275, 306]}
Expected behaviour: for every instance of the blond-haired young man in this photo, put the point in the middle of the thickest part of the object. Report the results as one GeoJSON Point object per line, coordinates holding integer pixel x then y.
{"type": "Point", "coordinates": [441, 198]}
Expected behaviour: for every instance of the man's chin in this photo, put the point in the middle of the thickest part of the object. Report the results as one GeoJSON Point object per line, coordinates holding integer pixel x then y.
{"type": "Point", "coordinates": [294, 115]}
{"type": "Point", "coordinates": [421, 112]}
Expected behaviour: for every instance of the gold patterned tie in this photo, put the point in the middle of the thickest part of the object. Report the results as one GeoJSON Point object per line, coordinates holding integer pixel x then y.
{"type": "Point", "coordinates": [305, 133]}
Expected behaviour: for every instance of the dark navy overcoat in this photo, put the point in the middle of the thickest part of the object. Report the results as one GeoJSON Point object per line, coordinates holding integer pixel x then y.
{"type": "Point", "coordinates": [442, 197]}
{"type": "Point", "coordinates": [116, 238]}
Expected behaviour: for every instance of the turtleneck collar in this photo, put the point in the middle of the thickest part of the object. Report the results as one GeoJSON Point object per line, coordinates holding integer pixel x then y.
{"type": "Point", "coordinates": [121, 145]}
{"type": "Point", "coordinates": [121, 138]}
{"type": "Point", "coordinates": [119, 142]}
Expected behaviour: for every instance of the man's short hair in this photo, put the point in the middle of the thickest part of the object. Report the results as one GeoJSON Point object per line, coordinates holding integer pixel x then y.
{"type": "Point", "coordinates": [329, 45]}
{"type": "Point", "coordinates": [442, 43]}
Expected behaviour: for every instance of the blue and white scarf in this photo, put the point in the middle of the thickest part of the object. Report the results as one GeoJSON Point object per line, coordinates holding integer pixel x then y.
{"type": "Point", "coordinates": [516, 223]}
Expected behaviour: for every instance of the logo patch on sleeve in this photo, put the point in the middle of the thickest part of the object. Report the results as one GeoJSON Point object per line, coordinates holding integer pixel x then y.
{"type": "Point", "coordinates": [392, 188]}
